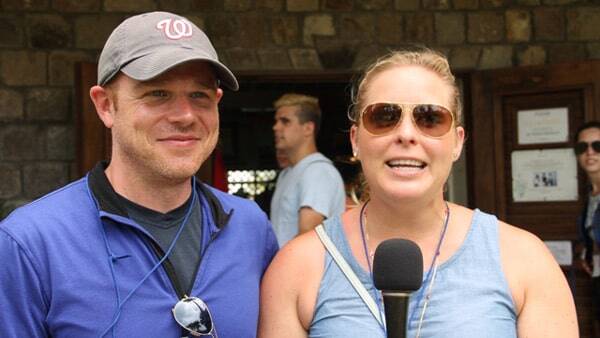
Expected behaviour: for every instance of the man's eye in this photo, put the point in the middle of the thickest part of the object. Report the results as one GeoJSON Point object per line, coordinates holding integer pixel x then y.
{"type": "Point", "coordinates": [198, 95]}
{"type": "Point", "coordinates": [158, 93]}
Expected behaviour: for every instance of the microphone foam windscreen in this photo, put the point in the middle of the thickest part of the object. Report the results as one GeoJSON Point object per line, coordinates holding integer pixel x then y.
{"type": "Point", "coordinates": [398, 266]}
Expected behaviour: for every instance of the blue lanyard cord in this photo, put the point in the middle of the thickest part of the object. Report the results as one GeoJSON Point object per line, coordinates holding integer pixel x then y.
{"type": "Point", "coordinates": [112, 259]}
{"type": "Point", "coordinates": [431, 267]}
{"type": "Point", "coordinates": [376, 294]}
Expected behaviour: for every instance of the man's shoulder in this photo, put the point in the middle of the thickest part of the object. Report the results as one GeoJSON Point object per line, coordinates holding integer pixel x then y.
{"type": "Point", "coordinates": [56, 204]}
{"type": "Point", "coordinates": [51, 214]}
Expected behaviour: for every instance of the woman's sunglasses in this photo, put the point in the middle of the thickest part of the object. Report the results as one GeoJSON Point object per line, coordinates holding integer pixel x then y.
{"type": "Point", "coordinates": [582, 147]}
{"type": "Point", "coordinates": [192, 314]}
{"type": "Point", "coordinates": [431, 120]}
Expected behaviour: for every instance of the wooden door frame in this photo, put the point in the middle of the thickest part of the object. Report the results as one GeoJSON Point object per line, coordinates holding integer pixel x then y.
{"type": "Point", "coordinates": [487, 90]}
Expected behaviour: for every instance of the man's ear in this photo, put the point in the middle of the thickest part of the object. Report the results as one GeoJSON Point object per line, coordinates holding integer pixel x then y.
{"type": "Point", "coordinates": [103, 102]}
{"type": "Point", "coordinates": [309, 128]}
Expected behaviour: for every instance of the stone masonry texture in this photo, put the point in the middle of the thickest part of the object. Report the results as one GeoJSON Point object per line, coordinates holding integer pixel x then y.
{"type": "Point", "coordinates": [42, 42]}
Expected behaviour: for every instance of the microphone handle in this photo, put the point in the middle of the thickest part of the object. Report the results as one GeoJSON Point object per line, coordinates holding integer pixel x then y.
{"type": "Point", "coordinates": [396, 313]}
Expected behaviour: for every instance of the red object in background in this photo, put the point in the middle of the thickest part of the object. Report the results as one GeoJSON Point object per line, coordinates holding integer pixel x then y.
{"type": "Point", "coordinates": [219, 172]}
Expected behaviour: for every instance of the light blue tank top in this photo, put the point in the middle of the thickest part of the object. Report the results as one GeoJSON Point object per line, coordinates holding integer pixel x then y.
{"type": "Point", "coordinates": [470, 296]}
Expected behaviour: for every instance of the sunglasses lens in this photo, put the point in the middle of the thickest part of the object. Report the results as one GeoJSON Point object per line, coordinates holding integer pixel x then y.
{"type": "Point", "coordinates": [580, 147]}
{"type": "Point", "coordinates": [193, 315]}
{"type": "Point", "coordinates": [596, 146]}
{"type": "Point", "coordinates": [432, 120]}
{"type": "Point", "coordinates": [380, 118]}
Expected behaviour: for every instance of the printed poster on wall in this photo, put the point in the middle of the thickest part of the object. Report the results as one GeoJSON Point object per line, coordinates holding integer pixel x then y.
{"type": "Point", "coordinates": [544, 175]}
{"type": "Point", "coordinates": [547, 125]}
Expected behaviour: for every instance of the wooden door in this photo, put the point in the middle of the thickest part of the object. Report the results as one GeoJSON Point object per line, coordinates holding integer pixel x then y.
{"type": "Point", "coordinates": [503, 151]}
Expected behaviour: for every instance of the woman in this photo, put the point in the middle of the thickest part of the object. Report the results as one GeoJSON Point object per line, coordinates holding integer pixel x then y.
{"type": "Point", "coordinates": [488, 278]}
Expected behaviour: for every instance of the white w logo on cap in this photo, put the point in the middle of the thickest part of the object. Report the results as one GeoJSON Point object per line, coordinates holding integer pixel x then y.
{"type": "Point", "coordinates": [175, 29]}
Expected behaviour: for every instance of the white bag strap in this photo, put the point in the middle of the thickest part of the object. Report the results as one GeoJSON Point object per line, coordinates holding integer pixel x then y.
{"type": "Point", "coordinates": [347, 270]}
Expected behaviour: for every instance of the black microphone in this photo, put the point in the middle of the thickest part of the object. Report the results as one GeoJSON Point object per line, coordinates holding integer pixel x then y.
{"type": "Point", "coordinates": [397, 272]}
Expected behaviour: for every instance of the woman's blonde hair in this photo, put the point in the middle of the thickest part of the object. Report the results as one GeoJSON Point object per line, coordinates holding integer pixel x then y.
{"type": "Point", "coordinates": [424, 57]}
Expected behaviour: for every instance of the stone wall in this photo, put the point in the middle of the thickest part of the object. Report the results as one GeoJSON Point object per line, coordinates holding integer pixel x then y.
{"type": "Point", "coordinates": [40, 40]}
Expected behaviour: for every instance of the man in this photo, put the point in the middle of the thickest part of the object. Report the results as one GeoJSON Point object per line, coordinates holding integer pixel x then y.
{"type": "Point", "coordinates": [138, 247]}
{"type": "Point", "coordinates": [310, 189]}
{"type": "Point", "coordinates": [587, 150]}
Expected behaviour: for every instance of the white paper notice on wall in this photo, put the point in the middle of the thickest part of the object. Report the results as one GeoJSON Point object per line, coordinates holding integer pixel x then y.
{"type": "Point", "coordinates": [544, 175]}
{"type": "Point", "coordinates": [562, 251]}
{"type": "Point", "coordinates": [547, 125]}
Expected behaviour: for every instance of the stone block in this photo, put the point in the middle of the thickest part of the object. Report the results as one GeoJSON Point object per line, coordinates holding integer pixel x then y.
{"type": "Point", "coordinates": [450, 28]}
{"type": "Point", "coordinates": [319, 24]}
{"type": "Point", "coordinates": [338, 5]}
{"type": "Point", "coordinates": [335, 53]}
{"type": "Point", "coordinates": [528, 2]}
{"type": "Point", "coordinates": [175, 6]}
{"type": "Point", "coordinates": [246, 30]}
{"type": "Point", "coordinates": [237, 5]}
{"type": "Point", "coordinates": [21, 142]}
{"type": "Point", "coordinates": [285, 30]}
{"type": "Point", "coordinates": [198, 21]}
{"type": "Point", "coordinates": [137, 6]}
{"type": "Point", "coordinates": [465, 57]}
{"type": "Point", "coordinates": [253, 31]}
{"type": "Point", "coordinates": [532, 55]}
{"type": "Point", "coordinates": [358, 27]}
{"type": "Point", "coordinates": [23, 68]}
{"type": "Point", "coordinates": [406, 5]}
{"type": "Point", "coordinates": [11, 105]}
{"type": "Point", "coordinates": [11, 31]}
{"type": "Point", "coordinates": [485, 27]}
{"type": "Point", "coordinates": [389, 28]}
{"type": "Point", "coordinates": [593, 50]}
{"type": "Point", "coordinates": [242, 59]}
{"type": "Point", "coordinates": [370, 5]}
{"type": "Point", "coordinates": [582, 24]}
{"type": "Point", "coordinates": [271, 5]}
{"type": "Point", "coordinates": [48, 104]}
{"type": "Point", "coordinates": [207, 5]}
{"type": "Point", "coordinates": [60, 143]}
{"type": "Point", "coordinates": [549, 23]}
{"type": "Point", "coordinates": [10, 181]}
{"type": "Point", "coordinates": [496, 57]}
{"type": "Point", "coordinates": [91, 31]}
{"type": "Point", "coordinates": [558, 2]}
{"type": "Point", "coordinates": [436, 4]}
{"type": "Point", "coordinates": [77, 6]}
{"type": "Point", "coordinates": [419, 28]}
{"type": "Point", "coordinates": [466, 4]}
{"type": "Point", "coordinates": [494, 3]}
{"type": "Point", "coordinates": [62, 66]}
{"type": "Point", "coordinates": [274, 59]}
{"type": "Point", "coordinates": [24, 5]}
{"type": "Point", "coordinates": [366, 55]}
{"type": "Point", "coordinates": [304, 58]}
{"type": "Point", "coordinates": [48, 31]}
{"type": "Point", "coordinates": [302, 5]}
{"type": "Point", "coordinates": [518, 25]}
{"type": "Point", "coordinates": [567, 52]}
{"type": "Point", "coordinates": [41, 178]}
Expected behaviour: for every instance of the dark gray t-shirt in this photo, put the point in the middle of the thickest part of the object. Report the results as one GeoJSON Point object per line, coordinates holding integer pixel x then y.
{"type": "Point", "coordinates": [185, 256]}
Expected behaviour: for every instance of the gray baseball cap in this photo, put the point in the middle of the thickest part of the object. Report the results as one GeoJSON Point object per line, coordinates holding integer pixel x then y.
{"type": "Point", "coordinates": [147, 45]}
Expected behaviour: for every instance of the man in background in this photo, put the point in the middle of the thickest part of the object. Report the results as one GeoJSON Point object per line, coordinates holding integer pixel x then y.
{"type": "Point", "coordinates": [138, 247]}
{"type": "Point", "coordinates": [310, 189]}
